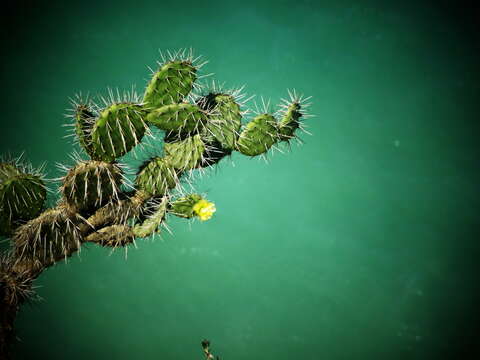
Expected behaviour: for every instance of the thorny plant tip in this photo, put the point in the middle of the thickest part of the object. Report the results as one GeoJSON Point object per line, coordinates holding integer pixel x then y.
{"type": "Point", "coordinates": [200, 123]}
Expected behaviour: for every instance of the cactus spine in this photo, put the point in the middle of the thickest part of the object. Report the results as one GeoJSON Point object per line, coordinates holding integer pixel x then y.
{"type": "Point", "coordinates": [95, 206]}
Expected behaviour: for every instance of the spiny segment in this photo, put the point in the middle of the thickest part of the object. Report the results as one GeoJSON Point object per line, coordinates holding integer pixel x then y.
{"type": "Point", "coordinates": [91, 184]}
{"type": "Point", "coordinates": [117, 130]}
{"type": "Point", "coordinates": [178, 118]}
{"type": "Point", "coordinates": [290, 122]}
{"type": "Point", "coordinates": [225, 120]}
{"type": "Point", "coordinates": [22, 195]}
{"type": "Point", "coordinates": [170, 84]}
{"type": "Point", "coordinates": [258, 135]}
{"type": "Point", "coordinates": [51, 237]}
{"type": "Point", "coordinates": [175, 79]}
{"type": "Point", "coordinates": [153, 221]}
{"type": "Point", "coordinates": [156, 177]}
{"type": "Point", "coordinates": [290, 112]}
{"type": "Point", "coordinates": [185, 154]}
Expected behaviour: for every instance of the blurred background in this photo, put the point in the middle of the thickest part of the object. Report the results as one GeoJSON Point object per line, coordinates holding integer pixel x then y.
{"type": "Point", "coordinates": [360, 244]}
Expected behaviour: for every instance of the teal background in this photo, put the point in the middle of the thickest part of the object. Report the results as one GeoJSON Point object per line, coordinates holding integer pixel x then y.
{"type": "Point", "coordinates": [360, 244]}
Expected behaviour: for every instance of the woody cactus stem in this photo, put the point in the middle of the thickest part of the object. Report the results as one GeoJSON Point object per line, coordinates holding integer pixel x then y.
{"type": "Point", "coordinates": [206, 350]}
{"type": "Point", "coordinates": [95, 205]}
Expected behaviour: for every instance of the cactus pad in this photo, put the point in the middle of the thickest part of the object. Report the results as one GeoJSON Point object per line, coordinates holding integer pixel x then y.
{"type": "Point", "coordinates": [156, 177]}
{"type": "Point", "coordinates": [170, 84]}
{"type": "Point", "coordinates": [258, 136]}
{"type": "Point", "coordinates": [225, 121]}
{"type": "Point", "coordinates": [91, 184]}
{"type": "Point", "coordinates": [48, 238]}
{"type": "Point", "coordinates": [22, 196]}
{"type": "Point", "coordinates": [185, 154]}
{"type": "Point", "coordinates": [117, 130]}
{"type": "Point", "coordinates": [179, 118]}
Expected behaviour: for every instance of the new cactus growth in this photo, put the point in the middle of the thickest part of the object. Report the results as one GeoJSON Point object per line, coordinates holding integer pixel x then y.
{"type": "Point", "coordinates": [95, 206]}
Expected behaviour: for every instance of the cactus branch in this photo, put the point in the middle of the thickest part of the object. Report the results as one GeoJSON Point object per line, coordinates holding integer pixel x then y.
{"type": "Point", "coordinates": [94, 206]}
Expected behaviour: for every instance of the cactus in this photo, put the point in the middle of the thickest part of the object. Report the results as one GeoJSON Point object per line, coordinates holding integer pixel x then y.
{"type": "Point", "coordinates": [95, 204]}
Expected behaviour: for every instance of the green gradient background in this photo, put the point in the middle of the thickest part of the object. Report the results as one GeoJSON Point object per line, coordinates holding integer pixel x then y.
{"type": "Point", "coordinates": [361, 244]}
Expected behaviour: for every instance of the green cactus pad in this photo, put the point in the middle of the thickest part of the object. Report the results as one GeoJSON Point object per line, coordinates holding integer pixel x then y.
{"type": "Point", "coordinates": [170, 84]}
{"type": "Point", "coordinates": [289, 122]}
{"type": "Point", "coordinates": [152, 222]}
{"type": "Point", "coordinates": [156, 177]}
{"type": "Point", "coordinates": [117, 130]}
{"type": "Point", "coordinates": [258, 136]}
{"type": "Point", "coordinates": [91, 184]}
{"type": "Point", "coordinates": [50, 237]}
{"type": "Point", "coordinates": [185, 154]}
{"type": "Point", "coordinates": [224, 123]}
{"type": "Point", "coordinates": [182, 118]}
{"type": "Point", "coordinates": [22, 196]}
{"type": "Point", "coordinates": [183, 207]}
{"type": "Point", "coordinates": [84, 121]}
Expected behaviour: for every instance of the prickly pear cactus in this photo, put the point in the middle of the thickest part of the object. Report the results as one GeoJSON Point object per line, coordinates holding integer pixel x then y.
{"type": "Point", "coordinates": [199, 126]}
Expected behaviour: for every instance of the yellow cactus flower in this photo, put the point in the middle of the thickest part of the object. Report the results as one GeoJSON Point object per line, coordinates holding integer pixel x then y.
{"type": "Point", "coordinates": [204, 209]}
